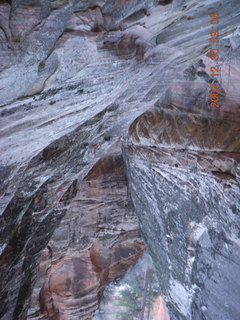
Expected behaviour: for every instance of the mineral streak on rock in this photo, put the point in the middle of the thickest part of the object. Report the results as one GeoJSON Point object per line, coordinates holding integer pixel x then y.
{"type": "Point", "coordinates": [185, 188]}
{"type": "Point", "coordinates": [76, 77]}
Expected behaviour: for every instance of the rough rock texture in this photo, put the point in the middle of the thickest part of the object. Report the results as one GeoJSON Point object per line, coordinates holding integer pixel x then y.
{"type": "Point", "coordinates": [123, 298]}
{"type": "Point", "coordinates": [185, 186]}
{"type": "Point", "coordinates": [75, 75]}
{"type": "Point", "coordinates": [98, 239]}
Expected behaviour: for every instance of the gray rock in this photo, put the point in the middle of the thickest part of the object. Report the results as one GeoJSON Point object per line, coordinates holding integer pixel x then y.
{"type": "Point", "coordinates": [77, 78]}
{"type": "Point", "coordinates": [188, 206]}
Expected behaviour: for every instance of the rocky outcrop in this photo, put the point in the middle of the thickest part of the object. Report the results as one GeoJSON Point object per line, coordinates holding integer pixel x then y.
{"type": "Point", "coordinates": [97, 240]}
{"type": "Point", "coordinates": [76, 77]}
{"type": "Point", "coordinates": [75, 283]}
{"type": "Point", "coordinates": [184, 175]}
{"type": "Point", "coordinates": [134, 295]}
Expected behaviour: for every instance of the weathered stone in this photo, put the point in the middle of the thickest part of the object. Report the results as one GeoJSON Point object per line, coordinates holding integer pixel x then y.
{"type": "Point", "coordinates": [76, 77]}
{"type": "Point", "coordinates": [184, 182]}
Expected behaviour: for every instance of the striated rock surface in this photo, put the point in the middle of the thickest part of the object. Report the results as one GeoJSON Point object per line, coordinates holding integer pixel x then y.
{"type": "Point", "coordinates": [77, 77]}
{"type": "Point", "coordinates": [184, 175]}
{"type": "Point", "coordinates": [97, 240]}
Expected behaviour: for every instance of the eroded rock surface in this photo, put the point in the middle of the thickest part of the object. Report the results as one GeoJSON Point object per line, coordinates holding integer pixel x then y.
{"type": "Point", "coordinates": [98, 239]}
{"type": "Point", "coordinates": [75, 76]}
{"type": "Point", "coordinates": [124, 297]}
{"type": "Point", "coordinates": [184, 177]}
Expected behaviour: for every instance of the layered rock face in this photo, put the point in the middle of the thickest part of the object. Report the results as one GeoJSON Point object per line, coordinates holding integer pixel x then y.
{"type": "Point", "coordinates": [97, 240]}
{"type": "Point", "coordinates": [187, 195]}
{"type": "Point", "coordinates": [80, 80]}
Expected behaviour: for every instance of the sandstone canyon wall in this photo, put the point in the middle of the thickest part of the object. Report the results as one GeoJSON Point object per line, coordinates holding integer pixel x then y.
{"type": "Point", "coordinates": [107, 142]}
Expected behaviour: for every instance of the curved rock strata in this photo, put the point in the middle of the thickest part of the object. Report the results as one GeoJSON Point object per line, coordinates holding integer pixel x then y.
{"type": "Point", "coordinates": [76, 76]}
{"type": "Point", "coordinates": [97, 240]}
{"type": "Point", "coordinates": [184, 173]}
